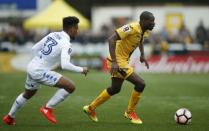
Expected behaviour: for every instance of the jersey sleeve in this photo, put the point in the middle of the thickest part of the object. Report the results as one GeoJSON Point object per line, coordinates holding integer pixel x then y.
{"type": "Point", "coordinates": [65, 60]}
{"type": "Point", "coordinates": [146, 34]}
{"type": "Point", "coordinates": [124, 31]}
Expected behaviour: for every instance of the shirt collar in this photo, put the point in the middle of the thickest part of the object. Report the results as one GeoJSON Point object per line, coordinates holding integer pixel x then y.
{"type": "Point", "coordinates": [140, 28]}
{"type": "Point", "coordinates": [146, 33]}
{"type": "Point", "coordinates": [66, 35]}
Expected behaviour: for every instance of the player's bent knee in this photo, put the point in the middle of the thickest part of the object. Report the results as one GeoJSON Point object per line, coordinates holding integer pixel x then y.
{"type": "Point", "coordinates": [70, 88]}
{"type": "Point", "coordinates": [66, 84]}
{"type": "Point", "coordinates": [29, 93]}
{"type": "Point", "coordinates": [140, 86]}
{"type": "Point", "coordinates": [27, 96]}
{"type": "Point", "coordinates": [113, 91]}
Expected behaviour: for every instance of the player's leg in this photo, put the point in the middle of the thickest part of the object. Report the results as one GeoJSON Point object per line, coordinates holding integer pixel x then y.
{"type": "Point", "coordinates": [138, 89]}
{"type": "Point", "coordinates": [20, 101]}
{"type": "Point", "coordinates": [103, 96]}
{"type": "Point", "coordinates": [107, 93]}
{"type": "Point", "coordinates": [65, 86]}
{"type": "Point", "coordinates": [31, 88]}
{"type": "Point", "coordinates": [135, 96]}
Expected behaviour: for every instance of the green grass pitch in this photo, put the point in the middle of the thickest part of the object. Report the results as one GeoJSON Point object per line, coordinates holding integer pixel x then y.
{"type": "Point", "coordinates": [163, 95]}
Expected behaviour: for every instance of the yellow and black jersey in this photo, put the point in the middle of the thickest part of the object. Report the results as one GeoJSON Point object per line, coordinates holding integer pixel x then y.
{"type": "Point", "coordinates": [131, 36]}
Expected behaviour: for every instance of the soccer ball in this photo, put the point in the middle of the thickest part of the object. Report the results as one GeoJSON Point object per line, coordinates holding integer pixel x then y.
{"type": "Point", "coordinates": [183, 116]}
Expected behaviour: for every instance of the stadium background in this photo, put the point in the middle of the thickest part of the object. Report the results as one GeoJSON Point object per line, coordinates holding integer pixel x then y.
{"type": "Point", "coordinates": [177, 50]}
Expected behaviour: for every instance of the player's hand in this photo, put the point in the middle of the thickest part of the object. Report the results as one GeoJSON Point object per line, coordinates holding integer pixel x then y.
{"type": "Point", "coordinates": [85, 70]}
{"type": "Point", "coordinates": [143, 60]}
{"type": "Point", "coordinates": [114, 68]}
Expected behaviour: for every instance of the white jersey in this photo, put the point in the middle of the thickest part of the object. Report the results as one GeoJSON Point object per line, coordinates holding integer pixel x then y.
{"type": "Point", "coordinates": [52, 49]}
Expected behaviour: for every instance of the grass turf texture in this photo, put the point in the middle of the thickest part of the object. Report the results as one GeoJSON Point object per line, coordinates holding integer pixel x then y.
{"type": "Point", "coordinates": [163, 95]}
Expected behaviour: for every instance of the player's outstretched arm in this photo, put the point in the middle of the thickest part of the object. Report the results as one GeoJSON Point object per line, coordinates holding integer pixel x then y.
{"type": "Point", "coordinates": [65, 61]}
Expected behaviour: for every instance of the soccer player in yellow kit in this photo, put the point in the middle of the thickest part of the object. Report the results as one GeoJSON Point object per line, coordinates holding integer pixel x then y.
{"type": "Point", "coordinates": [121, 45]}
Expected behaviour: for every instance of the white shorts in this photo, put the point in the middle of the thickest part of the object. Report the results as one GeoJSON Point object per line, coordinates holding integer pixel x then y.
{"type": "Point", "coordinates": [49, 78]}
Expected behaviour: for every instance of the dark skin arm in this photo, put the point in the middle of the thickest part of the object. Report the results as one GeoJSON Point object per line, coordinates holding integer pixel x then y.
{"type": "Point", "coordinates": [112, 44]}
{"type": "Point", "coordinates": [142, 58]}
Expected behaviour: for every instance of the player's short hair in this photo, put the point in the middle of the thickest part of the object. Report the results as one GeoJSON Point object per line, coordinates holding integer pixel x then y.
{"type": "Point", "coordinates": [146, 15]}
{"type": "Point", "coordinates": [69, 21]}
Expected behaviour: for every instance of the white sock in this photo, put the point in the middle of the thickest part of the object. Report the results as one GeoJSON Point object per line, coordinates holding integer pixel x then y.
{"type": "Point", "coordinates": [19, 102]}
{"type": "Point", "coordinates": [58, 97]}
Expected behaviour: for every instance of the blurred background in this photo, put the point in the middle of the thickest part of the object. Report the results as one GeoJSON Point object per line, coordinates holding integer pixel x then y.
{"type": "Point", "coordinates": [179, 42]}
{"type": "Point", "coordinates": [177, 51]}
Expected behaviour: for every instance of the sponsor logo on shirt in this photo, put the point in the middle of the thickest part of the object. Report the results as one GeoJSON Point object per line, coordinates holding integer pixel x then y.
{"type": "Point", "coordinates": [126, 28]}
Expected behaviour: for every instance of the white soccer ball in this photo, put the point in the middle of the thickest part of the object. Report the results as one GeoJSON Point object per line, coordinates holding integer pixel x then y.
{"type": "Point", "coordinates": [183, 116]}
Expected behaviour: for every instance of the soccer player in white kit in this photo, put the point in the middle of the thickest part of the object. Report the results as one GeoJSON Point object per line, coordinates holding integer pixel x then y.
{"type": "Point", "coordinates": [53, 48]}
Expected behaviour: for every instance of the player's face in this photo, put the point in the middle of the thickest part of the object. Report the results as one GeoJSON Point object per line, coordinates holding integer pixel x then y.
{"type": "Point", "coordinates": [73, 32]}
{"type": "Point", "coordinates": [149, 23]}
